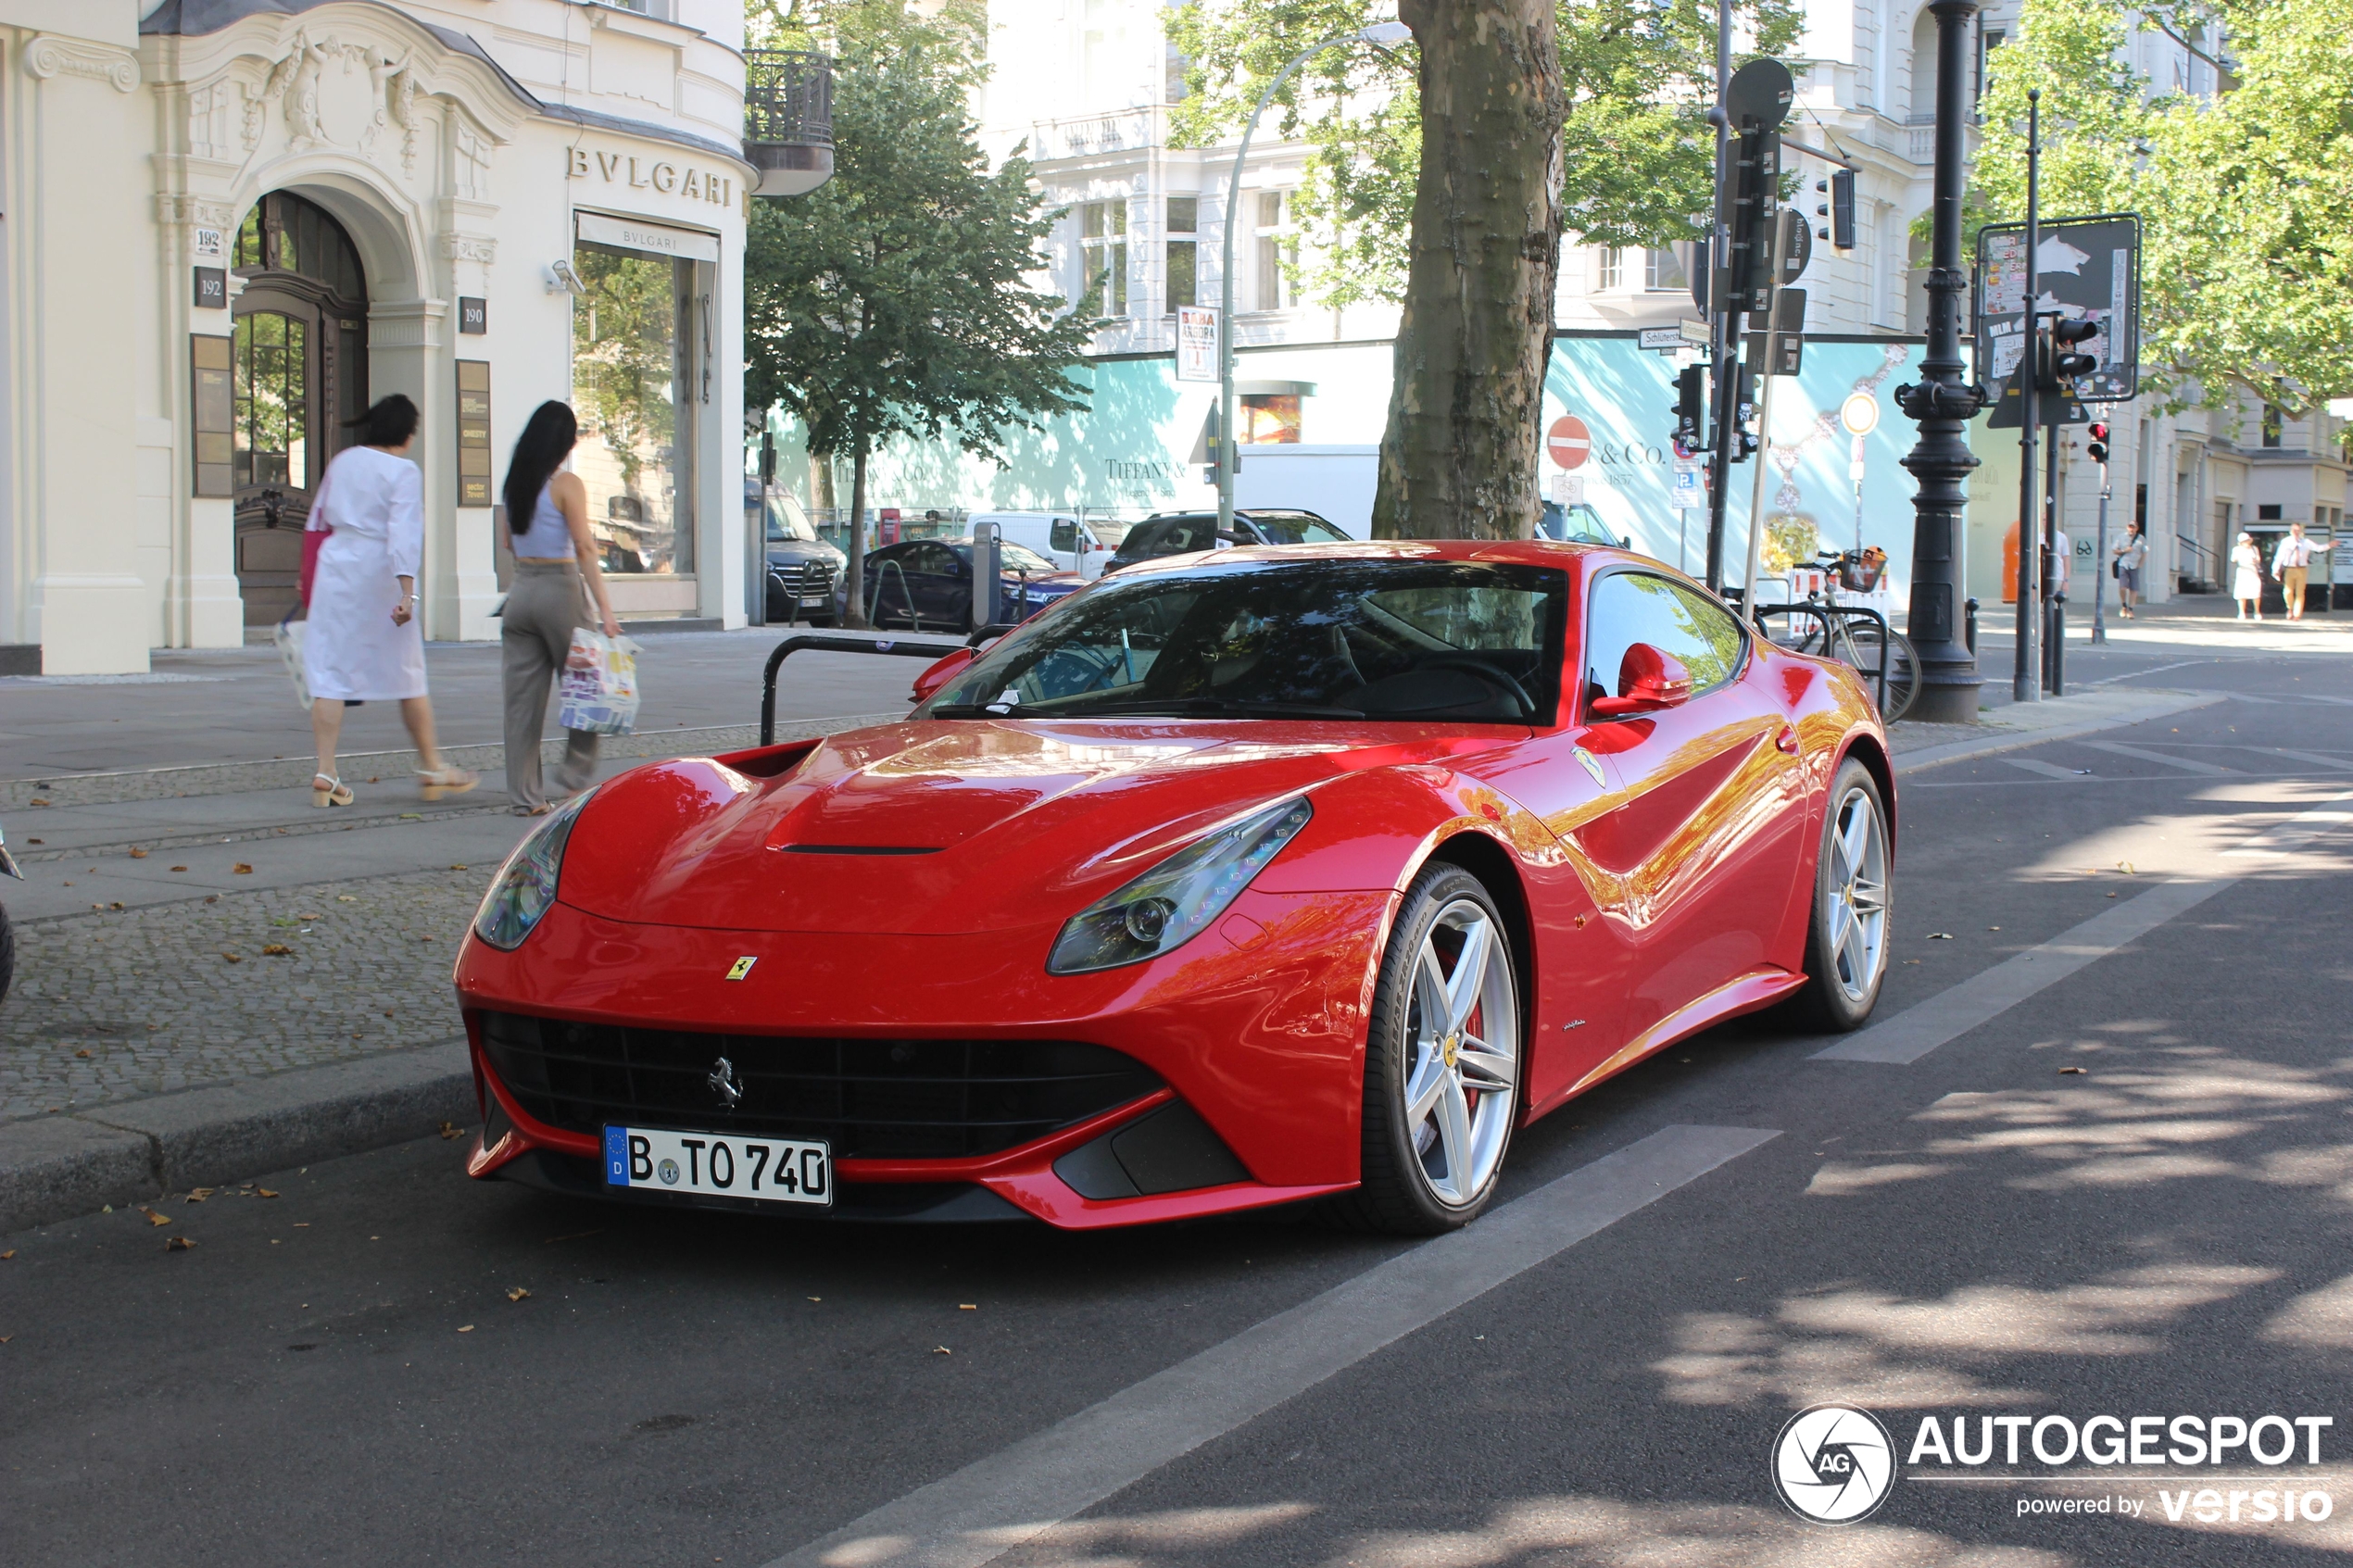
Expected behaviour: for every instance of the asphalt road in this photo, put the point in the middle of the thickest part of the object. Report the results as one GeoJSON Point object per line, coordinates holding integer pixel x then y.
{"type": "Point", "coordinates": [341, 1373]}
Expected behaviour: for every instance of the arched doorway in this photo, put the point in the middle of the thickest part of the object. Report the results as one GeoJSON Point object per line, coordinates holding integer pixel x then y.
{"type": "Point", "coordinates": [300, 352]}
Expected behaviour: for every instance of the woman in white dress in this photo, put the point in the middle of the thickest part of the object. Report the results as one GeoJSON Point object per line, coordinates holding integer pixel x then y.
{"type": "Point", "coordinates": [2246, 577]}
{"type": "Point", "coordinates": [361, 642]}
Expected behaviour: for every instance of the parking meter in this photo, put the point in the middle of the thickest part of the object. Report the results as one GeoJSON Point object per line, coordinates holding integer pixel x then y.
{"type": "Point", "coordinates": [989, 568]}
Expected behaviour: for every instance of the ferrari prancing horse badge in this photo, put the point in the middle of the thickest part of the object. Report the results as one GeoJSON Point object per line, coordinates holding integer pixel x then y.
{"type": "Point", "coordinates": [741, 967]}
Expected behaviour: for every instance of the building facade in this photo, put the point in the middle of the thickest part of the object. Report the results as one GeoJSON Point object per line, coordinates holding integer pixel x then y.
{"type": "Point", "coordinates": [227, 226]}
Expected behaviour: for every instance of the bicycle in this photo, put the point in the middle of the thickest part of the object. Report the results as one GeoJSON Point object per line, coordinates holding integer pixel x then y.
{"type": "Point", "coordinates": [1857, 636]}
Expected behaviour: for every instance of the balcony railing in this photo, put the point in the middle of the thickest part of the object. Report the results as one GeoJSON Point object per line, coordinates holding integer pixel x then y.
{"type": "Point", "coordinates": [788, 119]}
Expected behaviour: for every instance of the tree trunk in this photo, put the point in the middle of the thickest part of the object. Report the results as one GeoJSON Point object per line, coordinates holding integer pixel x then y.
{"type": "Point", "coordinates": [858, 536]}
{"type": "Point", "coordinates": [820, 483]}
{"type": "Point", "coordinates": [1459, 460]}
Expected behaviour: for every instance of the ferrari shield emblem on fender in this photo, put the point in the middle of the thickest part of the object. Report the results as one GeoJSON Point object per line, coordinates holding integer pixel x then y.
{"type": "Point", "coordinates": [1592, 764]}
{"type": "Point", "coordinates": [741, 967]}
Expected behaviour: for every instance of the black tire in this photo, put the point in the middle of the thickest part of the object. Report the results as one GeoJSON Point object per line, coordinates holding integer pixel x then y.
{"type": "Point", "coordinates": [1831, 1002]}
{"type": "Point", "coordinates": [7, 955]}
{"type": "Point", "coordinates": [1903, 667]}
{"type": "Point", "coordinates": [1399, 1193]}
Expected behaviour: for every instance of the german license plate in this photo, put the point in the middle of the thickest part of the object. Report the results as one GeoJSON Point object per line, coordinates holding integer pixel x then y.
{"type": "Point", "coordinates": [709, 1165]}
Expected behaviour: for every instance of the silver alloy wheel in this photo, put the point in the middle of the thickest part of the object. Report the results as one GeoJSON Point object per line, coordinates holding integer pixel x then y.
{"type": "Point", "coordinates": [1858, 894]}
{"type": "Point", "coordinates": [1462, 1074]}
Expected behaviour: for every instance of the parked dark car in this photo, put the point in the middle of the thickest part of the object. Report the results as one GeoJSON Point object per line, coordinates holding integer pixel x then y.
{"type": "Point", "coordinates": [927, 584]}
{"type": "Point", "coordinates": [1180, 533]}
{"type": "Point", "coordinates": [803, 570]}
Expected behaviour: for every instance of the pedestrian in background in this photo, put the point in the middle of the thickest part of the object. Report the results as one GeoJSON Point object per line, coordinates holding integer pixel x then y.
{"type": "Point", "coordinates": [556, 573]}
{"type": "Point", "coordinates": [2246, 577]}
{"type": "Point", "coordinates": [2292, 564]}
{"type": "Point", "coordinates": [361, 640]}
{"type": "Point", "coordinates": [2131, 554]}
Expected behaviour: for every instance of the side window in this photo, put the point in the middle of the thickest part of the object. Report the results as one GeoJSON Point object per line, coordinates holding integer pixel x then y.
{"type": "Point", "coordinates": [1634, 607]}
{"type": "Point", "coordinates": [1065, 534]}
{"type": "Point", "coordinates": [929, 561]}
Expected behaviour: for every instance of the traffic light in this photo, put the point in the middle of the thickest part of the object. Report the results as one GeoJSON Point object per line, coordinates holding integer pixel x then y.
{"type": "Point", "coordinates": [2068, 362]}
{"type": "Point", "coordinates": [2098, 446]}
{"type": "Point", "coordinates": [1839, 209]}
{"type": "Point", "coordinates": [1691, 409]}
{"type": "Point", "coordinates": [1743, 436]}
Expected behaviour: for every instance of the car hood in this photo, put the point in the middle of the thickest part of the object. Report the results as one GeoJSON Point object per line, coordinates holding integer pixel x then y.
{"type": "Point", "coordinates": [938, 827]}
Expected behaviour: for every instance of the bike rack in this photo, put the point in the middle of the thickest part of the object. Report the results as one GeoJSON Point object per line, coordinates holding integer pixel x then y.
{"type": "Point", "coordinates": [894, 569]}
{"type": "Point", "coordinates": [791, 645]}
{"type": "Point", "coordinates": [1823, 613]}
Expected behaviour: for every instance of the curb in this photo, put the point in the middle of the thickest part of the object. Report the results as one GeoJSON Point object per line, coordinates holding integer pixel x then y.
{"type": "Point", "coordinates": [58, 1168]}
{"type": "Point", "coordinates": [239, 777]}
{"type": "Point", "coordinates": [2063, 725]}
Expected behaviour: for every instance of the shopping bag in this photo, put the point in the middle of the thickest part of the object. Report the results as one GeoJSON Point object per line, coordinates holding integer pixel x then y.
{"type": "Point", "coordinates": [598, 693]}
{"type": "Point", "coordinates": [288, 639]}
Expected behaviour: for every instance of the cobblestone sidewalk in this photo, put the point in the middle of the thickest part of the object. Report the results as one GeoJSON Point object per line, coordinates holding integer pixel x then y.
{"type": "Point", "coordinates": [117, 1005]}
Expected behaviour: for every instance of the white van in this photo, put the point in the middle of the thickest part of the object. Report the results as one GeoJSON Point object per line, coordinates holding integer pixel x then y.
{"type": "Point", "coordinates": [1072, 543]}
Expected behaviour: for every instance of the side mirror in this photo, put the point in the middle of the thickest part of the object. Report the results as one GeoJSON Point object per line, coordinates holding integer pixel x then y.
{"type": "Point", "coordinates": [1648, 681]}
{"type": "Point", "coordinates": [937, 675]}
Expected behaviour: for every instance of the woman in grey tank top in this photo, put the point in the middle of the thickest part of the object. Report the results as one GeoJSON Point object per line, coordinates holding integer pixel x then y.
{"type": "Point", "coordinates": [555, 560]}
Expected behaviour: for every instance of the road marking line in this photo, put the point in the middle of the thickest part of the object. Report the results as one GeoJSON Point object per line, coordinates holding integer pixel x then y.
{"type": "Point", "coordinates": [2337, 762]}
{"type": "Point", "coordinates": [2146, 754]}
{"type": "Point", "coordinates": [1917, 1029]}
{"type": "Point", "coordinates": [2048, 770]}
{"type": "Point", "coordinates": [995, 1504]}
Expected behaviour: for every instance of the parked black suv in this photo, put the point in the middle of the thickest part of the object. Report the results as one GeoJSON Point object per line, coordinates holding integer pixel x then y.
{"type": "Point", "coordinates": [1178, 533]}
{"type": "Point", "coordinates": [802, 569]}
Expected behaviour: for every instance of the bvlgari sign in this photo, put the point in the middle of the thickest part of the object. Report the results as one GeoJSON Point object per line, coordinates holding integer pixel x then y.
{"type": "Point", "coordinates": [640, 171]}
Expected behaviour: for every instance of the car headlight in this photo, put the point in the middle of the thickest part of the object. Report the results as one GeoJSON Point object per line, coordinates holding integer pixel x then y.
{"type": "Point", "coordinates": [524, 888]}
{"type": "Point", "coordinates": [1171, 904]}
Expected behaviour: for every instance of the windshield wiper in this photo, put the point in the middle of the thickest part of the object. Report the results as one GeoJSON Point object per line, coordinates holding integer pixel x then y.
{"type": "Point", "coordinates": [974, 710]}
{"type": "Point", "coordinates": [1209, 706]}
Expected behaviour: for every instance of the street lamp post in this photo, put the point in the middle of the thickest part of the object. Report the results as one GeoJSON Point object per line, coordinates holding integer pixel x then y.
{"type": "Point", "coordinates": [1944, 402]}
{"type": "Point", "coordinates": [1379, 32]}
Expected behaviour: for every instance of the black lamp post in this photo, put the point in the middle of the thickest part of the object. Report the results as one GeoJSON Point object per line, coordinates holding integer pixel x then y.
{"type": "Point", "coordinates": [1943, 401]}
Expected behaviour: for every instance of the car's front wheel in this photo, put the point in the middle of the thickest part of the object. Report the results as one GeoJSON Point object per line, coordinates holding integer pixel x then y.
{"type": "Point", "coordinates": [1846, 940]}
{"type": "Point", "coordinates": [1441, 1061]}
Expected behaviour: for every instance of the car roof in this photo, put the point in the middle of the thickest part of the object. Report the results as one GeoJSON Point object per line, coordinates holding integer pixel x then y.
{"type": "Point", "coordinates": [1520, 552]}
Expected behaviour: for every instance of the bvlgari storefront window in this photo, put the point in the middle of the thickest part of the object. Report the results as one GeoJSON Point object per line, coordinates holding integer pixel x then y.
{"type": "Point", "coordinates": [634, 373]}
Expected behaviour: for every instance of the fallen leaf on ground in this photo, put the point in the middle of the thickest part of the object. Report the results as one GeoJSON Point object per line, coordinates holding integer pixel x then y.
{"type": "Point", "coordinates": [375, 781]}
{"type": "Point", "coordinates": [276, 950]}
{"type": "Point", "coordinates": [345, 898]}
{"type": "Point", "coordinates": [179, 868]}
{"type": "Point", "coordinates": [412, 816]}
{"type": "Point", "coordinates": [941, 1351]}
{"type": "Point", "coordinates": [84, 1052]}
{"type": "Point", "coordinates": [302, 1225]}
{"type": "Point", "coordinates": [424, 938]}
{"type": "Point", "coordinates": [263, 1191]}
{"type": "Point", "coordinates": [138, 854]}
{"type": "Point", "coordinates": [8, 1254]}
{"type": "Point", "coordinates": [116, 905]}
{"type": "Point", "coordinates": [2126, 867]}
{"type": "Point", "coordinates": [816, 1298]}
{"type": "Point", "coordinates": [451, 1130]}
{"type": "Point", "coordinates": [212, 897]}
{"type": "Point", "coordinates": [517, 1294]}
{"type": "Point", "coordinates": [6, 1337]}
{"type": "Point", "coordinates": [232, 958]}
{"type": "Point", "coordinates": [465, 1328]}
{"type": "Point", "coordinates": [37, 800]}
{"type": "Point", "coordinates": [179, 1244]}
{"type": "Point", "coordinates": [309, 917]}
{"type": "Point", "coordinates": [153, 1218]}
{"type": "Point", "coordinates": [240, 869]}
{"type": "Point", "coordinates": [457, 868]}
{"type": "Point", "coordinates": [2066, 1070]}
{"type": "Point", "coordinates": [198, 1195]}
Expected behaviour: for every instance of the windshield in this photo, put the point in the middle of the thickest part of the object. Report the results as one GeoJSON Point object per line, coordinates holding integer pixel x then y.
{"type": "Point", "coordinates": [1296, 528]}
{"type": "Point", "coordinates": [1021, 558]}
{"type": "Point", "coordinates": [1431, 641]}
{"type": "Point", "coordinates": [782, 528]}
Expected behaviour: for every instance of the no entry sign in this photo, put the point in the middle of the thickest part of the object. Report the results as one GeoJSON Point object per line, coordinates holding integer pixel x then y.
{"type": "Point", "coordinates": [1568, 441]}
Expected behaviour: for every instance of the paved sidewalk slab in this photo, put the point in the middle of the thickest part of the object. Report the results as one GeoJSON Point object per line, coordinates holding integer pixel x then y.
{"type": "Point", "coordinates": [2016, 725]}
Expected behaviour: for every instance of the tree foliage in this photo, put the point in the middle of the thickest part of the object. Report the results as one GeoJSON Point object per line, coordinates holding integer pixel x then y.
{"type": "Point", "coordinates": [2245, 198]}
{"type": "Point", "coordinates": [895, 299]}
{"type": "Point", "coordinates": [1637, 154]}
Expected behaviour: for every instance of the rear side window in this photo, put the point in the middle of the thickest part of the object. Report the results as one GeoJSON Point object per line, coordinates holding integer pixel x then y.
{"type": "Point", "coordinates": [1636, 607]}
{"type": "Point", "coordinates": [1065, 534]}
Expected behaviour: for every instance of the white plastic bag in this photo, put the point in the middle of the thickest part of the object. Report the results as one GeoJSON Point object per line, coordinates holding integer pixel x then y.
{"type": "Point", "coordinates": [599, 689]}
{"type": "Point", "coordinates": [288, 638]}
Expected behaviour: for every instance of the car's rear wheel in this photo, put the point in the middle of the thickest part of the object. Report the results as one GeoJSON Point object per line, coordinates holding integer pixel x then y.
{"type": "Point", "coordinates": [1847, 939]}
{"type": "Point", "coordinates": [1441, 1061]}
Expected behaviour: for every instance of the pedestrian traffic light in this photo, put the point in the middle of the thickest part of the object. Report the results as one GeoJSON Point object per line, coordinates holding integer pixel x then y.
{"type": "Point", "coordinates": [2068, 362]}
{"type": "Point", "coordinates": [2098, 446]}
{"type": "Point", "coordinates": [1690, 407]}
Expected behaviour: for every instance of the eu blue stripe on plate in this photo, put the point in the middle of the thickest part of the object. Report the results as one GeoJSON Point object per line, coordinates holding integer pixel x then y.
{"type": "Point", "coordinates": [616, 1157]}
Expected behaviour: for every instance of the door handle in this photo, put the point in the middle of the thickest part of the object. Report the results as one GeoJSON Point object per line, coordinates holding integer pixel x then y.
{"type": "Point", "coordinates": [1787, 740]}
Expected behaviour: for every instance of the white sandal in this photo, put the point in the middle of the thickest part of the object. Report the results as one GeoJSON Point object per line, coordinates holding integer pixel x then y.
{"type": "Point", "coordinates": [335, 794]}
{"type": "Point", "coordinates": [448, 781]}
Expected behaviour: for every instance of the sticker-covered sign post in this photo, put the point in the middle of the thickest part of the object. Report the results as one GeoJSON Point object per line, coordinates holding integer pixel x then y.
{"type": "Point", "coordinates": [1196, 342]}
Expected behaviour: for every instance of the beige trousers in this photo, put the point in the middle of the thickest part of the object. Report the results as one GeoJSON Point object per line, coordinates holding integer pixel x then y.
{"type": "Point", "coordinates": [543, 606]}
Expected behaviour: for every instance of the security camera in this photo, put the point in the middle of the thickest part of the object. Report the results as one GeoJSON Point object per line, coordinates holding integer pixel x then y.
{"type": "Point", "coordinates": [561, 279]}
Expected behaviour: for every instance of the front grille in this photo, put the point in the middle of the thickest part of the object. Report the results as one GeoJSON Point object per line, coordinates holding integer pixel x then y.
{"type": "Point", "coordinates": [807, 580]}
{"type": "Point", "coordinates": [870, 1099]}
